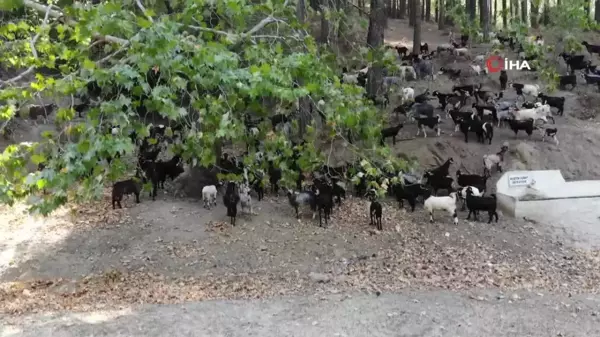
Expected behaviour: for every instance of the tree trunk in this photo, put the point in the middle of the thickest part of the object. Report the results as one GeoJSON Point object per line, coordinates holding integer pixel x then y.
{"type": "Point", "coordinates": [524, 11]}
{"type": "Point", "coordinates": [304, 103]}
{"type": "Point", "coordinates": [402, 9]}
{"type": "Point", "coordinates": [472, 9]}
{"type": "Point", "coordinates": [494, 13]}
{"type": "Point", "coordinates": [417, 31]}
{"type": "Point", "coordinates": [442, 14]}
{"type": "Point", "coordinates": [375, 40]}
{"type": "Point", "coordinates": [485, 9]}
{"type": "Point", "coordinates": [534, 14]}
{"type": "Point", "coordinates": [314, 4]}
{"type": "Point", "coordinates": [324, 38]}
{"type": "Point", "coordinates": [412, 14]}
{"type": "Point", "coordinates": [504, 15]}
{"type": "Point", "coordinates": [597, 11]}
{"type": "Point", "coordinates": [422, 7]}
{"type": "Point", "coordinates": [481, 12]}
{"type": "Point", "coordinates": [428, 11]}
{"type": "Point", "coordinates": [587, 8]}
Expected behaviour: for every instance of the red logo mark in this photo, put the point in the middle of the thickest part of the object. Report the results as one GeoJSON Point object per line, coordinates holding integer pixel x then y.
{"type": "Point", "coordinates": [494, 64]}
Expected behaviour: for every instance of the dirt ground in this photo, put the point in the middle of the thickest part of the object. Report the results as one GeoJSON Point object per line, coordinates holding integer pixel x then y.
{"type": "Point", "coordinates": [431, 314]}
{"type": "Point", "coordinates": [89, 257]}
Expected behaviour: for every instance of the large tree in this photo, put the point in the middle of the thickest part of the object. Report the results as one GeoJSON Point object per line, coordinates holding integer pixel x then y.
{"type": "Point", "coordinates": [417, 29]}
{"type": "Point", "coordinates": [205, 69]}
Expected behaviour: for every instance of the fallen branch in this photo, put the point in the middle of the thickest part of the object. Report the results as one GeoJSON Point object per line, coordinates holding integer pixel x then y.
{"type": "Point", "coordinates": [143, 9]}
{"type": "Point", "coordinates": [33, 51]}
{"type": "Point", "coordinates": [58, 14]}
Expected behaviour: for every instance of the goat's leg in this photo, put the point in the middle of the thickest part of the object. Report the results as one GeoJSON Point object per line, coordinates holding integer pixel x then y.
{"type": "Point", "coordinates": [424, 132]}
{"type": "Point", "coordinates": [469, 215]}
{"type": "Point", "coordinates": [137, 198]}
{"type": "Point", "coordinates": [418, 130]}
{"type": "Point", "coordinates": [431, 217]}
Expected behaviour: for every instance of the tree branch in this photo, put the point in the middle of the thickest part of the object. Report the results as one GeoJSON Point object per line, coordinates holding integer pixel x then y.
{"type": "Point", "coordinates": [58, 14]}
{"type": "Point", "coordinates": [33, 51]}
{"type": "Point", "coordinates": [143, 9]}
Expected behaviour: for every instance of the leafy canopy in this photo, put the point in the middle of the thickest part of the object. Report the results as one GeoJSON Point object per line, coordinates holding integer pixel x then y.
{"type": "Point", "coordinates": [206, 68]}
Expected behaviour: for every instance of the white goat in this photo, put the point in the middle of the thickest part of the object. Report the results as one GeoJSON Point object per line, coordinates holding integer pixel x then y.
{"type": "Point", "coordinates": [408, 94]}
{"type": "Point", "coordinates": [447, 204]}
{"type": "Point", "coordinates": [209, 196]}
{"type": "Point", "coordinates": [525, 114]}
{"type": "Point", "coordinates": [445, 47]}
{"type": "Point", "coordinates": [479, 58]}
{"type": "Point", "coordinates": [350, 78]}
{"type": "Point", "coordinates": [493, 160]}
{"type": "Point", "coordinates": [461, 52]}
{"type": "Point", "coordinates": [407, 70]}
{"type": "Point", "coordinates": [245, 199]}
{"type": "Point", "coordinates": [531, 90]}
{"type": "Point", "coordinates": [364, 70]}
{"type": "Point", "coordinates": [476, 69]}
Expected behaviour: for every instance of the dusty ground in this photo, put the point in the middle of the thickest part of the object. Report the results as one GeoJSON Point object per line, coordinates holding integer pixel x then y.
{"type": "Point", "coordinates": [431, 314]}
{"type": "Point", "coordinates": [88, 258]}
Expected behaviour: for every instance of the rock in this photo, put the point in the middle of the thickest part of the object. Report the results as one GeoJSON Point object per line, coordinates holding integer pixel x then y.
{"type": "Point", "coordinates": [515, 297]}
{"type": "Point", "coordinates": [263, 248]}
{"type": "Point", "coordinates": [26, 292]}
{"type": "Point", "coordinates": [318, 277]}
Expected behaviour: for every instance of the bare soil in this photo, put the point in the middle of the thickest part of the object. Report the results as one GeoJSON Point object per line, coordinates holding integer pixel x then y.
{"type": "Point", "coordinates": [90, 257]}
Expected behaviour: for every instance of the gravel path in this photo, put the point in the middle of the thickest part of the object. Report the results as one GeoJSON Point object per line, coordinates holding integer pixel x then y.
{"type": "Point", "coordinates": [411, 314]}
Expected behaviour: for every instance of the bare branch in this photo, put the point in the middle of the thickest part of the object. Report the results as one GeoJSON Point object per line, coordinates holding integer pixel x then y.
{"type": "Point", "coordinates": [33, 51]}
{"type": "Point", "coordinates": [106, 58]}
{"type": "Point", "coordinates": [143, 9]}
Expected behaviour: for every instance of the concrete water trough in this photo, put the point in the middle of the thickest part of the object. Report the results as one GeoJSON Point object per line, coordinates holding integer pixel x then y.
{"type": "Point", "coordinates": [571, 207]}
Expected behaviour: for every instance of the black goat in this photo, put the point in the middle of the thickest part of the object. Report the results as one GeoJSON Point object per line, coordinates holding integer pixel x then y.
{"type": "Point", "coordinates": [230, 200]}
{"type": "Point", "coordinates": [465, 88]}
{"type": "Point", "coordinates": [451, 72]}
{"type": "Point", "coordinates": [470, 125]}
{"type": "Point", "coordinates": [518, 88]}
{"type": "Point", "coordinates": [526, 125]}
{"type": "Point", "coordinates": [439, 183]}
{"type": "Point", "coordinates": [503, 79]}
{"type": "Point", "coordinates": [80, 108]}
{"type": "Point", "coordinates": [278, 119]}
{"type": "Point", "coordinates": [464, 180]}
{"type": "Point", "coordinates": [324, 200]}
{"type": "Point", "coordinates": [274, 177]}
{"type": "Point", "coordinates": [376, 212]}
{"type": "Point", "coordinates": [476, 204]}
{"type": "Point", "coordinates": [121, 188]}
{"type": "Point", "coordinates": [422, 98]}
{"type": "Point", "coordinates": [481, 109]}
{"type": "Point", "coordinates": [555, 102]}
{"type": "Point", "coordinates": [442, 170]}
{"type": "Point", "coordinates": [41, 110]}
{"type": "Point", "coordinates": [423, 109]}
{"type": "Point", "coordinates": [424, 49]}
{"type": "Point", "coordinates": [409, 193]}
{"type": "Point", "coordinates": [170, 168]}
{"type": "Point", "coordinates": [442, 98]}
{"type": "Point", "coordinates": [390, 132]}
{"type": "Point", "coordinates": [591, 48]}
{"type": "Point", "coordinates": [565, 80]}
{"type": "Point", "coordinates": [592, 79]}
{"type": "Point", "coordinates": [459, 116]}
{"type": "Point", "coordinates": [404, 108]}
{"type": "Point", "coordinates": [575, 62]}
{"type": "Point", "coordinates": [431, 122]}
{"type": "Point", "coordinates": [402, 51]}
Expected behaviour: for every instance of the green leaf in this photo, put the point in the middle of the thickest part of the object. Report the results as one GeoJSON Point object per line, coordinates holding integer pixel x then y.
{"type": "Point", "coordinates": [89, 64]}
{"type": "Point", "coordinates": [38, 159]}
{"type": "Point", "coordinates": [144, 23]}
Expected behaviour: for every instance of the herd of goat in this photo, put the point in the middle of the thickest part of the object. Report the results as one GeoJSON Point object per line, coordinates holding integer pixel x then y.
{"type": "Point", "coordinates": [471, 108]}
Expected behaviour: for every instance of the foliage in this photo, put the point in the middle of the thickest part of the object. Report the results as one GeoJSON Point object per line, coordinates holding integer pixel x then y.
{"type": "Point", "coordinates": [216, 62]}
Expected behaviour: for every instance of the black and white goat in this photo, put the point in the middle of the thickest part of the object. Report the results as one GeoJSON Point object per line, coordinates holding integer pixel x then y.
{"type": "Point", "coordinates": [431, 122]}
{"type": "Point", "coordinates": [476, 204]}
{"type": "Point", "coordinates": [297, 199]}
{"type": "Point", "coordinates": [550, 132]}
{"type": "Point", "coordinates": [493, 160]}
